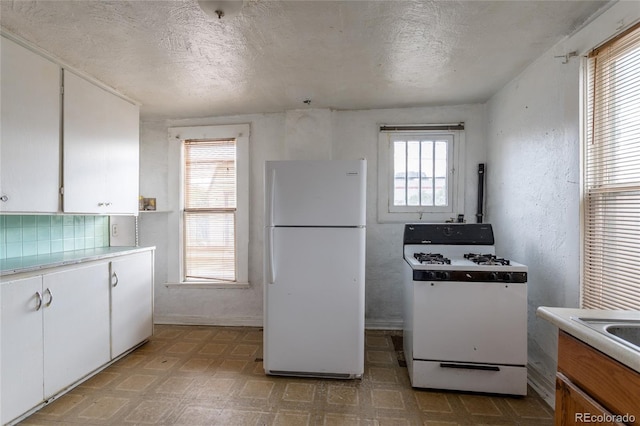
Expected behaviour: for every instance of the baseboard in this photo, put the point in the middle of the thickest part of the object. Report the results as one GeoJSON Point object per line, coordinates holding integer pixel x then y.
{"type": "Point", "coordinates": [197, 320]}
{"type": "Point", "coordinates": [541, 384]}
{"type": "Point", "coordinates": [256, 322]}
{"type": "Point", "coordinates": [376, 324]}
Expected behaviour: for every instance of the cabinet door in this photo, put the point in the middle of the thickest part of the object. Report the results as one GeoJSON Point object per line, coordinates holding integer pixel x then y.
{"type": "Point", "coordinates": [76, 324]}
{"type": "Point", "coordinates": [131, 301]}
{"type": "Point", "coordinates": [101, 149]}
{"type": "Point", "coordinates": [575, 407]}
{"type": "Point", "coordinates": [30, 147]}
{"type": "Point", "coordinates": [21, 343]}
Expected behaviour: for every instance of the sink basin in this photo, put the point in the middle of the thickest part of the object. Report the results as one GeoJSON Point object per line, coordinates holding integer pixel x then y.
{"type": "Point", "coordinates": [629, 333]}
{"type": "Point", "coordinates": [626, 332]}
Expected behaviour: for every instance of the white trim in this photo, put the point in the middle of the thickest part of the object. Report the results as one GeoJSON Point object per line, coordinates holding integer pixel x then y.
{"type": "Point", "coordinates": [428, 214]}
{"type": "Point", "coordinates": [378, 324]}
{"type": "Point", "coordinates": [199, 320]}
{"type": "Point", "coordinates": [582, 137]}
{"type": "Point", "coordinates": [201, 285]}
{"type": "Point", "coordinates": [241, 132]}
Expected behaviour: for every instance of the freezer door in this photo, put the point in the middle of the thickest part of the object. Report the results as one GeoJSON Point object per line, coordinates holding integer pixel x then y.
{"type": "Point", "coordinates": [314, 301]}
{"type": "Point", "coordinates": [315, 193]}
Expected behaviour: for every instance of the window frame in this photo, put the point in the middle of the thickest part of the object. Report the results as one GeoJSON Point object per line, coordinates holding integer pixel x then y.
{"type": "Point", "coordinates": [594, 246]}
{"type": "Point", "coordinates": [208, 210]}
{"type": "Point", "coordinates": [387, 212]}
{"type": "Point", "coordinates": [241, 134]}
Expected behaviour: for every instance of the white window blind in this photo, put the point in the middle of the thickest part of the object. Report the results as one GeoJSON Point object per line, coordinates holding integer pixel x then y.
{"type": "Point", "coordinates": [210, 210]}
{"type": "Point", "coordinates": [611, 264]}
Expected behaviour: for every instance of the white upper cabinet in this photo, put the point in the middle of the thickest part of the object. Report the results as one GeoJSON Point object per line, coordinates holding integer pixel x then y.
{"type": "Point", "coordinates": [30, 128]}
{"type": "Point", "coordinates": [101, 150]}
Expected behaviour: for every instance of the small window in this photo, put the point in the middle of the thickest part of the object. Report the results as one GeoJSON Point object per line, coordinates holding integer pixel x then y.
{"type": "Point", "coordinates": [421, 172]}
{"type": "Point", "coordinates": [419, 176]}
{"type": "Point", "coordinates": [210, 210]}
{"type": "Point", "coordinates": [210, 168]}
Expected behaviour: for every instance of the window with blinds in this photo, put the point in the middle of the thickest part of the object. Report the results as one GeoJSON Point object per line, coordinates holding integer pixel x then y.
{"type": "Point", "coordinates": [611, 260]}
{"type": "Point", "coordinates": [210, 210]}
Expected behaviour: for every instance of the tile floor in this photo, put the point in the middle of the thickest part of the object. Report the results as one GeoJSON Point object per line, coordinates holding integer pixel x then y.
{"type": "Point", "coordinates": [198, 375]}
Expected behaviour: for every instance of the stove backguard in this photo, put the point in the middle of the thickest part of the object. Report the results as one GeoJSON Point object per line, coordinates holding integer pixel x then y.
{"type": "Point", "coordinates": [449, 233]}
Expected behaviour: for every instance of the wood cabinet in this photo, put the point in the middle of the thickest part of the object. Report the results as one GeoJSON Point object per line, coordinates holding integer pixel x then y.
{"type": "Point", "coordinates": [60, 326]}
{"type": "Point", "coordinates": [131, 301]}
{"type": "Point", "coordinates": [100, 150]}
{"type": "Point", "coordinates": [573, 405]}
{"type": "Point", "coordinates": [30, 140]}
{"type": "Point", "coordinates": [592, 385]}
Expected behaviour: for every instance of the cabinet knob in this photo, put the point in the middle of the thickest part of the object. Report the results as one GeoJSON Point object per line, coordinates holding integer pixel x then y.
{"type": "Point", "coordinates": [4, 198]}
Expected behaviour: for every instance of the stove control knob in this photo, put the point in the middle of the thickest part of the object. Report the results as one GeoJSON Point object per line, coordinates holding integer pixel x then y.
{"type": "Point", "coordinates": [429, 275]}
{"type": "Point", "coordinates": [493, 276]}
{"type": "Point", "coordinates": [507, 276]}
{"type": "Point", "coordinates": [443, 275]}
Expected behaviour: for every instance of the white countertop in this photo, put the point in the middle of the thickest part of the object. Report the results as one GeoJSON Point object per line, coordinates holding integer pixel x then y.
{"type": "Point", "coordinates": [18, 265]}
{"type": "Point", "coordinates": [562, 318]}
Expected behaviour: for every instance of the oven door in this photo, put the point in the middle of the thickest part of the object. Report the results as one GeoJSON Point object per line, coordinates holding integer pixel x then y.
{"type": "Point", "coordinates": [474, 322]}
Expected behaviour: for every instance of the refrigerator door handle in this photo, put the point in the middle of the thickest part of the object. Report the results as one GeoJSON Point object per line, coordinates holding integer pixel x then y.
{"type": "Point", "coordinates": [272, 197]}
{"type": "Point", "coordinates": [270, 260]}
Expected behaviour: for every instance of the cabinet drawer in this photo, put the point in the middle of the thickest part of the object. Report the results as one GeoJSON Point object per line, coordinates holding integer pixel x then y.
{"type": "Point", "coordinates": [614, 385]}
{"type": "Point", "coordinates": [574, 407]}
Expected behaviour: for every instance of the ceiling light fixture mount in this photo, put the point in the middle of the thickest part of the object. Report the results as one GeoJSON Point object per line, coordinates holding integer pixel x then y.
{"type": "Point", "coordinates": [220, 8]}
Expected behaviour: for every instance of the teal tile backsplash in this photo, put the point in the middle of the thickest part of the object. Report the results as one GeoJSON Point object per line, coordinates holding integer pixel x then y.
{"type": "Point", "coordinates": [28, 235]}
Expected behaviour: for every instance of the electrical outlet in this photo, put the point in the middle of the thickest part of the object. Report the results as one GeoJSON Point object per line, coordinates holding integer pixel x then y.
{"type": "Point", "coordinates": [114, 230]}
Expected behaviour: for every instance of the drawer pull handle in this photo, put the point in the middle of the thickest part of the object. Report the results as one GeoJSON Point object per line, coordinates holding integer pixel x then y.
{"type": "Point", "coordinates": [115, 277]}
{"type": "Point", "coordinates": [39, 305]}
{"type": "Point", "coordinates": [4, 198]}
{"type": "Point", "coordinates": [47, 304]}
{"type": "Point", "coordinates": [470, 366]}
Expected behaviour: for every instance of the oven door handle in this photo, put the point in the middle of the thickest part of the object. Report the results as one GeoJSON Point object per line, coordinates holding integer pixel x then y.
{"type": "Point", "coordinates": [470, 366]}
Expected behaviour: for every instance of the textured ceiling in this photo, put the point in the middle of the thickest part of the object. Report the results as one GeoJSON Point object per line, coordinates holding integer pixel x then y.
{"type": "Point", "coordinates": [178, 62]}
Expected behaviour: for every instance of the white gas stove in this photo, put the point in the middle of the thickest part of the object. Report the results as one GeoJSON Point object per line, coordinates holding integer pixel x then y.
{"type": "Point", "coordinates": [465, 311]}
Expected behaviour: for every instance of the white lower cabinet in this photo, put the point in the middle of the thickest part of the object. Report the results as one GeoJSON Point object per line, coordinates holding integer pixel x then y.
{"type": "Point", "coordinates": [131, 301]}
{"type": "Point", "coordinates": [76, 325]}
{"type": "Point", "coordinates": [22, 354]}
{"type": "Point", "coordinates": [62, 325]}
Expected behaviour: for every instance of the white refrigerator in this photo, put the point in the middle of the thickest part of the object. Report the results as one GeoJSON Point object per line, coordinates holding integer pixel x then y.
{"type": "Point", "coordinates": [314, 268]}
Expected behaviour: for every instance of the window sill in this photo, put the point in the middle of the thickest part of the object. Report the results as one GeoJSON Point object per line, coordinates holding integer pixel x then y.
{"type": "Point", "coordinates": [385, 216]}
{"type": "Point", "coordinates": [207, 284]}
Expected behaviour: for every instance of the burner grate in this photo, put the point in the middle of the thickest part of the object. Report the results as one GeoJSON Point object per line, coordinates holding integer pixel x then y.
{"type": "Point", "coordinates": [432, 259]}
{"type": "Point", "coordinates": [487, 259]}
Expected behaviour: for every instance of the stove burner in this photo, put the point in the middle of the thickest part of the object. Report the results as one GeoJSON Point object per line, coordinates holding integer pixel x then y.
{"type": "Point", "coordinates": [487, 259]}
{"type": "Point", "coordinates": [431, 258]}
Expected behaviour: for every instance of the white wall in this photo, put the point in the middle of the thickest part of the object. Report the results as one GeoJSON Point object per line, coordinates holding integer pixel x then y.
{"type": "Point", "coordinates": [331, 134]}
{"type": "Point", "coordinates": [533, 176]}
